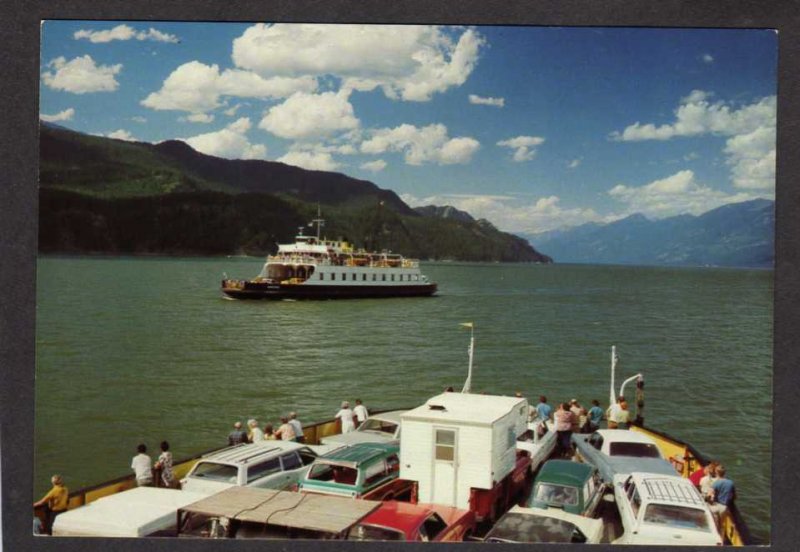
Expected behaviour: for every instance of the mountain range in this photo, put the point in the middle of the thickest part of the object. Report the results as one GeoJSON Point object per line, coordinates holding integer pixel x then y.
{"type": "Point", "coordinates": [101, 195]}
{"type": "Point", "coordinates": [738, 234]}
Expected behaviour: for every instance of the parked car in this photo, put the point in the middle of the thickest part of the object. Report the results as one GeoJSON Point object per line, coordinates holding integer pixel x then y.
{"type": "Point", "coordinates": [267, 465]}
{"type": "Point", "coordinates": [574, 487]}
{"type": "Point", "coordinates": [379, 428]}
{"type": "Point", "coordinates": [539, 441]}
{"type": "Point", "coordinates": [530, 525]}
{"type": "Point", "coordinates": [364, 470]}
{"type": "Point", "coordinates": [621, 452]}
{"type": "Point", "coordinates": [401, 521]}
{"type": "Point", "coordinates": [659, 509]}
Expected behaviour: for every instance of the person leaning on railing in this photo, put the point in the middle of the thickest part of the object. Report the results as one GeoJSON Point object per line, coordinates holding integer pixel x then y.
{"type": "Point", "coordinates": [54, 502]}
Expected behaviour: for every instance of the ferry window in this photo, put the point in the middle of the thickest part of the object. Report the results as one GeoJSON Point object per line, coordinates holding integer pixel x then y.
{"type": "Point", "coordinates": [383, 277]}
{"type": "Point", "coordinates": [321, 275]}
{"type": "Point", "coordinates": [364, 277]}
{"type": "Point", "coordinates": [333, 276]}
{"type": "Point", "coordinates": [392, 277]}
{"type": "Point", "coordinates": [445, 445]}
{"type": "Point", "coordinates": [374, 277]}
{"type": "Point", "coordinates": [401, 277]}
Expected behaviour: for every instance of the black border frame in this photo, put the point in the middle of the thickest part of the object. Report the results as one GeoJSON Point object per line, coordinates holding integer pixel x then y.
{"type": "Point", "coordinates": [20, 24]}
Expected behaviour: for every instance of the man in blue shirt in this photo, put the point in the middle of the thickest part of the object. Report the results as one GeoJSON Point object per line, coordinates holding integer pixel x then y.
{"type": "Point", "coordinates": [724, 492]}
{"type": "Point", "coordinates": [595, 415]}
{"type": "Point", "coordinates": [544, 409]}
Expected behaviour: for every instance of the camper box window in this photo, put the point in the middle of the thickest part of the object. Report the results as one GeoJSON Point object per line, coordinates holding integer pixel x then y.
{"type": "Point", "coordinates": [445, 444]}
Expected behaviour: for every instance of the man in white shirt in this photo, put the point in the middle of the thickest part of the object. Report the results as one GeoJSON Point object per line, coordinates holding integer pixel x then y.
{"type": "Point", "coordinates": [142, 467]}
{"type": "Point", "coordinates": [297, 426]}
{"type": "Point", "coordinates": [360, 412]}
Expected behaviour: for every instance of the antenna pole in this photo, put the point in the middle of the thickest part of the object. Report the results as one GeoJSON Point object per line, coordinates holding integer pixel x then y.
{"type": "Point", "coordinates": [468, 383]}
{"type": "Point", "coordinates": [613, 394]}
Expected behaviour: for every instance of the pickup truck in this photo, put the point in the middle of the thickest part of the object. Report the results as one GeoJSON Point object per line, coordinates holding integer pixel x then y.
{"type": "Point", "coordinates": [620, 452]}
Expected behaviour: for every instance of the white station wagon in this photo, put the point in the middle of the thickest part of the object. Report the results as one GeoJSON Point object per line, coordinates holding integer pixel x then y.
{"type": "Point", "coordinates": [663, 509]}
{"type": "Point", "coordinates": [267, 465]}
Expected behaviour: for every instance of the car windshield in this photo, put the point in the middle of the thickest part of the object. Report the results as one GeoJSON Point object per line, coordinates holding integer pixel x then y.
{"type": "Point", "coordinates": [638, 450]}
{"type": "Point", "coordinates": [515, 527]}
{"type": "Point", "coordinates": [382, 426]}
{"type": "Point", "coordinates": [336, 474]}
{"type": "Point", "coordinates": [216, 472]}
{"type": "Point", "coordinates": [374, 533]}
{"type": "Point", "coordinates": [679, 517]}
{"type": "Point", "coordinates": [556, 495]}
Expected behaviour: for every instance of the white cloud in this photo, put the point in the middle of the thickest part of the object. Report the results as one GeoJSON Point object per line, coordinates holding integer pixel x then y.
{"type": "Point", "coordinates": [231, 142]}
{"type": "Point", "coordinates": [478, 100]}
{"type": "Point", "coordinates": [676, 194]}
{"type": "Point", "coordinates": [65, 115]}
{"type": "Point", "coordinates": [81, 75]}
{"type": "Point", "coordinates": [750, 148]}
{"type": "Point", "coordinates": [429, 144]}
{"type": "Point", "coordinates": [303, 116]}
{"type": "Point", "coordinates": [408, 62]}
{"type": "Point", "coordinates": [196, 87]}
{"type": "Point", "coordinates": [198, 118]}
{"type": "Point", "coordinates": [524, 147]}
{"type": "Point", "coordinates": [708, 58]}
{"type": "Point", "coordinates": [124, 32]}
{"type": "Point", "coordinates": [512, 213]}
{"type": "Point", "coordinates": [575, 163]}
{"type": "Point", "coordinates": [121, 135]}
{"type": "Point", "coordinates": [374, 166]}
{"type": "Point", "coordinates": [310, 160]}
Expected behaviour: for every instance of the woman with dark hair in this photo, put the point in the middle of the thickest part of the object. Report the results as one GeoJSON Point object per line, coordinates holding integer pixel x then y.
{"type": "Point", "coordinates": [563, 422]}
{"type": "Point", "coordinates": [164, 463]}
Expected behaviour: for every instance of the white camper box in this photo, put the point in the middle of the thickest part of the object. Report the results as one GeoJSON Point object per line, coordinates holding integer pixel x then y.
{"type": "Point", "coordinates": [458, 441]}
{"type": "Point", "coordinates": [138, 512]}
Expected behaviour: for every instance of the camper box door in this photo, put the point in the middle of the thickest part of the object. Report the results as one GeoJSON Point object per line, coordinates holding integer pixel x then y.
{"type": "Point", "coordinates": [445, 465]}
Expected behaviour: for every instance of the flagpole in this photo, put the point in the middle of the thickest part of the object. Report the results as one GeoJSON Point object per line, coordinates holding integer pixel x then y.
{"type": "Point", "coordinates": [468, 384]}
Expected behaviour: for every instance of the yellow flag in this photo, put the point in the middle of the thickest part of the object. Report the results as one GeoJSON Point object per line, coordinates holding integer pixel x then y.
{"type": "Point", "coordinates": [466, 324]}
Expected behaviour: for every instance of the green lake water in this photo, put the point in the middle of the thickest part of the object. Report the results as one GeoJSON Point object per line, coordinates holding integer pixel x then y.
{"type": "Point", "coordinates": [134, 350]}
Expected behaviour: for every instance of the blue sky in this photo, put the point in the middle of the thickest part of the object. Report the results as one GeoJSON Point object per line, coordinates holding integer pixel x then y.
{"type": "Point", "coordinates": [533, 128]}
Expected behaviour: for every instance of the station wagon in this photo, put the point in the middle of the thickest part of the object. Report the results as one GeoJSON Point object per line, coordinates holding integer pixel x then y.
{"type": "Point", "coordinates": [365, 470]}
{"type": "Point", "coordinates": [266, 465]}
{"type": "Point", "coordinates": [572, 486]}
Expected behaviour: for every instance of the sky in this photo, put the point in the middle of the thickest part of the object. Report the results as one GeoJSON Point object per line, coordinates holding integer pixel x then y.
{"type": "Point", "coordinates": [532, 128]}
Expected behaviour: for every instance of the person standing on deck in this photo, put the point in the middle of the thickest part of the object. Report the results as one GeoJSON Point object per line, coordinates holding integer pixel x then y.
{"type": "Point", "coordinates": [347, 417]}
{"type": "Point", "coordinates": [238, 435]}
{"type": "Point", "coordinates": [54, 502]}
{"type": "Point", "coordinates": [269, 435]}
{"type": "Point", "coordinates": [575, 408]}
{"type": "Point", "coordinates": [624, 415]}
{"type": "Point", "coordinates": [254, 434]}
{"type": "Point", "coordinates": [142, 467]}
{"type": "Point", "coordinates": [595, 416]}
{"type": "Point", "coordinates": [164, 464]}
{"type": "Point", "coordinates": [544, 409]}
{"type": "Point", "coordinates": [285, 431]}
{"type": "Point", "coordinates": [298, 428]}
{"type": "Point", "coordinates": [360, 412]}
{"type": "Point", "coordinates": [723, 492]}
{"type": "Point", "coordinates": [563, 421]}
{"type": "Point", "coordinates": [612, 415]}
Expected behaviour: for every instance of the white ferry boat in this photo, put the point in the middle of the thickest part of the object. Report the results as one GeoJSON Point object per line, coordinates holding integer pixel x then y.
{"type": "Point", "coordinates": [317, 268]}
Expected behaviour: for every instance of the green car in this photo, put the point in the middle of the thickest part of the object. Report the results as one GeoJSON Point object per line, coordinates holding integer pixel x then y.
{"type": "Point", "coordinates": [364, 470]}
{"type": "Point", "coordinates": [574, 487]}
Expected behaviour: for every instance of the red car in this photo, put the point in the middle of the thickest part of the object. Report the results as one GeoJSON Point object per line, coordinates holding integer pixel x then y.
{"type": "Point", "coordinates": [401, 521]}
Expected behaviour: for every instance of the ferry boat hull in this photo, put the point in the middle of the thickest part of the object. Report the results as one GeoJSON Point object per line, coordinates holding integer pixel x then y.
{"type": "Point", "coordinates": [246, 289]}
